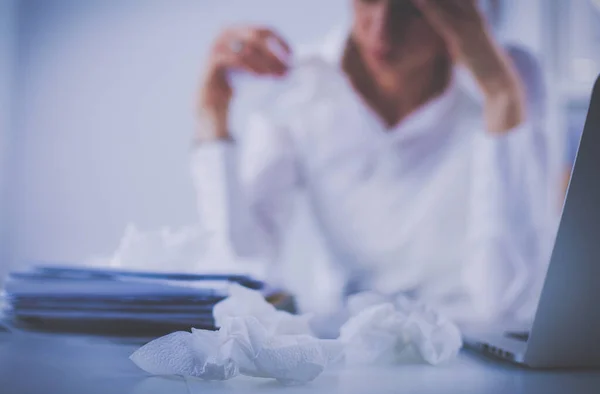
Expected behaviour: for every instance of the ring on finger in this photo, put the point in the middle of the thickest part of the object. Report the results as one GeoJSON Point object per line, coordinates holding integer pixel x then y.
{"type": "Point", "coordinates": [237, 46]}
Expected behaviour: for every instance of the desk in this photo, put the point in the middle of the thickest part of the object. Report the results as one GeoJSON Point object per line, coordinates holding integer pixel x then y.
{"type": "Point", "coordinates": [47, 364]}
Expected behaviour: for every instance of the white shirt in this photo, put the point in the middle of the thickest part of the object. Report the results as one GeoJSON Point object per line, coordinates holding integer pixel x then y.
{"type": "Point", "coordinates": [435, 207]}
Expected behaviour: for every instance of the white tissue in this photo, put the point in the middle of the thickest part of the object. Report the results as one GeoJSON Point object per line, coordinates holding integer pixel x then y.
{"type": "Point", "coordinates": [169, 249]}
{"type": "Point", "coordinates": [247, 302]}
{"type": "Point", "coordinates": [185, 249]}
{"type": "Point", "coordinates": [436, 338]}
{"type": "Point", "coordinates": [242, 346]}
{"type": "Point", "coordinates": [254, 339]}
{"type": "Point", "coordinates": [291, 359]}
{"type": "Point", "coordinates": [373, 336]}
{"type": "Point", "coordinates": [361, 301]}
{"type": "Point", "coordinates": [200, 354]}
{"type": "Point", "coordinates": [383, 330]}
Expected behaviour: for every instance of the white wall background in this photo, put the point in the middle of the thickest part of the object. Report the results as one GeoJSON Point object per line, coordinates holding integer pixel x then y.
{"type": "Point", "coordinates": [523, 22]}
{"type": "Point", "coordinates": [105, 113]}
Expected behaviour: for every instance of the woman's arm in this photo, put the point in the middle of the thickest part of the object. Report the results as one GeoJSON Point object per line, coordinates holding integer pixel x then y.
{"type": "Point", "coordinates": [243, 186]}
{"type": "Point", "coordinates": [511, 212]}
{"type": "Point", "coordinates": [245, 189]}
{"type": "Point", "coordinates": [471, 44]}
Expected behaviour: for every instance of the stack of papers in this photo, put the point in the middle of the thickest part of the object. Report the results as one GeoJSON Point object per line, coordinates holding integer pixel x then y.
{"type": "Point", "coordinates": [116, 301]}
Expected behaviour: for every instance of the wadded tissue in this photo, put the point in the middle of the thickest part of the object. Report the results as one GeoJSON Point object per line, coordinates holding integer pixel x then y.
{"type": "Point", "coordinates": [389, 329]}
{"type": "Point", "coordinates": [255, 339]}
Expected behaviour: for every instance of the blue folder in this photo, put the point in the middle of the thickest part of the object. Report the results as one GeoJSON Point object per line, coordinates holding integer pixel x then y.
{"type": "Point", "coordinates": [64, 296]}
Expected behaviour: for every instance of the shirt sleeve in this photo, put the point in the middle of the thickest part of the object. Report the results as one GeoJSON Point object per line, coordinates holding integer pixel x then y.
{"type": "Point", "coordinates": [506, 223]}
{"type": "Point", "coordinates": [511, 215]}
{"type": "Point", "coordinates": [245, 190]}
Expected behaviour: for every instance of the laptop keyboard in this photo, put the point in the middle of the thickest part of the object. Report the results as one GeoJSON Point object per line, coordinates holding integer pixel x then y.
{"type": "Point", "coordinates": [519, 336]}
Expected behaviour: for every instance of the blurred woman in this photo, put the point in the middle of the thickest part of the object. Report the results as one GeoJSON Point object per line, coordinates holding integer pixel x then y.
{"type": "Point", "coordinates": [421, 183]}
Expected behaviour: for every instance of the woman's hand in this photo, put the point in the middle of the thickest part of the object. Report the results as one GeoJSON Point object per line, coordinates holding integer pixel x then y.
{"type": "Point", "coordinates": [257, 50]}
{"type": "Point", "coordinates": [470, 42]}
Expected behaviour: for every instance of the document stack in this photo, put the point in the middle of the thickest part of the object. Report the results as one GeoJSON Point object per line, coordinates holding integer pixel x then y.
{"type": "Point", "coordinates": [116, 302]}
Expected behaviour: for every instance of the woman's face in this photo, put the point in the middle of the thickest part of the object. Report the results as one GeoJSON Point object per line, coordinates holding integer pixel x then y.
{"type": "Point", "coordinates": [394, 34]}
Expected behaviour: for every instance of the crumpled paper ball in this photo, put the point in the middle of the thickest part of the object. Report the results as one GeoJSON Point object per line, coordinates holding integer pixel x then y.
{"type": "Point", "coordinates": [243, 301]}
{"type": "Point", "coordinates": [384, 329]}
{"type": "Point", "coordinates": [184, 249]}
{"type": "Point", "coordinates": [200, 353]}
{"type": "Point", "coordinates": [290, 359]}
{"type": "Point", "coordinates": [254, 339]}
{"type": "Point", "coordinates": [170, 249]}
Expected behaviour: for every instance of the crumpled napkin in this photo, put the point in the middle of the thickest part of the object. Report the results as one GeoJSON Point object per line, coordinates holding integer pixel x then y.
{"type": "Point", "coordinates": [183, 249]}
{"type": "Point", "coordinates": [198, 354]}
{"type": "Point", "coordinates": [166, 248]}
{"type": "Point", "coordinates": [291, 359]}
{"type": "Point", "coordinates": [254, 339]}
{"type": "Point", "coordinates": [385, 329]}
{"type": "Point", "coordinates": [243, 301]}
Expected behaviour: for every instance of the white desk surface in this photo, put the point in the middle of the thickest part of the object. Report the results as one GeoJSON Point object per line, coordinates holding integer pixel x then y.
{"type": "Point", "coordinates": [47, 364]}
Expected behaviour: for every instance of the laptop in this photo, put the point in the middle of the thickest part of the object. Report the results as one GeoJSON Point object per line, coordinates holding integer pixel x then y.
{"type": "Point", "coordinates": [566, 327]}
